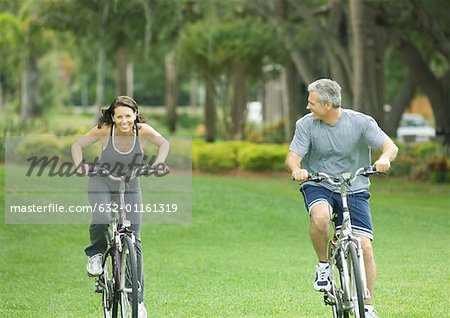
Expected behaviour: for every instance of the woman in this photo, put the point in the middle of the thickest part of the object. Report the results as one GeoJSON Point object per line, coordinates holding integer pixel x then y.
{"type": "Point", "coordinates": [122, 133]}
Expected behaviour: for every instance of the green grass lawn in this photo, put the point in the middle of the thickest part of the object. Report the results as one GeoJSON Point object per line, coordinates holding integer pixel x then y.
{"type": "Point", "coordinates": [246, 254]}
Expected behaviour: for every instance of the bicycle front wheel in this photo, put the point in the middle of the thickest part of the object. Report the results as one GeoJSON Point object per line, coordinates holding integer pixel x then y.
{"type": "Point", "coordinates": [128, 280]}
{"type": "Point", "coordinates": [109, 299]}
{"type": "Point", "coordinates": [338, 283]}
{"type": "Point", "coordinates": [356, 282]}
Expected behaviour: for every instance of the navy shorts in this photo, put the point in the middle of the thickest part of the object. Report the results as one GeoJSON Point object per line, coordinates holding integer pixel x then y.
{"type": "Point", "coordinates": [358, 204]}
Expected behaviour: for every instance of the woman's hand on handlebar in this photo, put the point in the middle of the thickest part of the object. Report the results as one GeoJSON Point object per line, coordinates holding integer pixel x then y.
{"type": "Point", "coordinates": [83, 169]}
{"type": "Point", "coordinates": [160, 169]}
{"type": "Point", "coordinates": [300, 175]}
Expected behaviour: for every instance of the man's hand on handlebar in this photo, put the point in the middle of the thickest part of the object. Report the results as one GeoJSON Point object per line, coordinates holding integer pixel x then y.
{"type": "Point", "coordinates": [300, 175]}
{"type": "Point", "coordinates": [382, 165]}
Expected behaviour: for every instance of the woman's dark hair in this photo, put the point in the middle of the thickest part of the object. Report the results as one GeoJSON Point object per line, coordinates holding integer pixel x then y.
{"type": "Point", "coordinates": [108, 113]}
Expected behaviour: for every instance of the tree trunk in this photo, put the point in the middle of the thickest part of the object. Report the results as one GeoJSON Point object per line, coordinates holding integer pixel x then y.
{"type": "Point", "coordinates": [1, 95]}
{"type": "Point", "coordinates": [380, 49]}
{"type": "Point", "coordinates": [438, 91]}
{"type": "Point", "coordinates": [273, 97]}
{"type": "Point", "coordinates": [401, 100]}
{"type": "Point", "coordinates": [338, 56]}
{"type": "Point", "coordinates": [29, 89]}
{"type": "Point", "coordinates": [303, 67]}
{"type": "Point", "coordinates": [374, 67]}
{"type": "Point", "coordinates": [121, 70]}
{"type": "Point", "coordinates": [297, 56]}
{"type": "Point", "coordinates": [24, 95]}
{"type": "Point", "coordinates": [194, 98]}
{"type": "Point", "coordinates": [171, 90]}
{"type": "Point", "coordinates": [210, 112]}
{"type": "Point", "coordinates": [100, 78]}
{"type": "Point", "coordinates": [357, 19]}
{"type": "Point", "coordinates": [148, 27]}
{"type": "Point", "coordinates": [84, 90]}
{"type": "Point", "coordinates": [238, 108]}
{"type": "Point", "coordinates": [101, 61]}
{"type": "Point", "coordinates": [3, 91]}
{"type": "Point", "coordinates": [291, 100]}
{"type": "Point", "coordinates": [130, 79]}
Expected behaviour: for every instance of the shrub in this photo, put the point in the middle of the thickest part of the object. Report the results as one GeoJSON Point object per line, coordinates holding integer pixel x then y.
{"type": "Point", "coordinates": [39, 146]}
{"type": "Point", "coordinates": [89, 153]}
{"type": "Point", "coordinates": [216, 157]}
{"type": "Point", "coordinates": [421, 161]}
{"type": "Point", "coordinates": [267, 133]}
{"type": "Point", "coordinates": [180, 154]}
{"type": "Point", "coordinates": [262, 157]}
{"type": "Point", "coordinates": [438, 165]}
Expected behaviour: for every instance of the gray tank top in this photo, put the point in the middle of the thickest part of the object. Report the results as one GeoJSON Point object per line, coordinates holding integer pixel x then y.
{"type": "Point", "coordinates": [118, 162]}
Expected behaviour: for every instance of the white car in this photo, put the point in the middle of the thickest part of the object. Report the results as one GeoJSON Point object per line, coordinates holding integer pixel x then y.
{"type": "Point", "coordinates": [414, 128]}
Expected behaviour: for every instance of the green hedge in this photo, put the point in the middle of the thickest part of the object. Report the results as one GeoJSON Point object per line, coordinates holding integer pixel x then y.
{"type": "Point", "coordinates": [421, 161]}
{"type": "Point", "coordinates": [26, 147]}
{"type": "Point", "coordinates": [227, 156]}
{"type": "Point", "coordinates": [216, 157]}
{"type": "Point", "coordinates": [37, 146]}
{"type": "Point", "coordinates": [262, 157]}
{"type": "Point", "coordinates": [49, 146]}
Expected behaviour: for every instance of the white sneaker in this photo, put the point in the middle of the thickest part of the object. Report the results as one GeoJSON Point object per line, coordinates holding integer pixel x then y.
{"type": "Point", "coordinates": [322, 282]}
{"type": "Point", "coordinates": [142, 312]}
{"type": "Point", "coordinates": [94, 265]}
{"type": "Point", "coordinates": [370, 312]}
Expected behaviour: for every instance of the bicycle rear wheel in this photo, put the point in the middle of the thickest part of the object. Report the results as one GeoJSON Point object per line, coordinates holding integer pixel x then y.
{"type": "Point", "coordinates": [356, 282]}
{"type": "Point", "coordinates": [128, 280]}
{"type": "Point", "coordinates": [109, 299]}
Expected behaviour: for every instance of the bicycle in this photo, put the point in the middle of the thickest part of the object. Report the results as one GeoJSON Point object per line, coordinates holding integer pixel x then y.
{"type": "Point", "coordinates": [348, 277]}
{"type": "Point", "coordinates": [119, 283]}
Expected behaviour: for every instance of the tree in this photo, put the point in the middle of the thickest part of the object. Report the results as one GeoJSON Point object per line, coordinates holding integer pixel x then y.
{"type": "Point", "coordinates": [10, 48]}
{"type": "Point", "coordinates": [25, 39]}
{"type": "Point", "coordinates": [196, 47]}
{"type": "Point", "coordinates": [117, 29]}
{"type": "Point", "coordinates": [417, 35]}
{"type": "Point", "coordinates": [233, 49]}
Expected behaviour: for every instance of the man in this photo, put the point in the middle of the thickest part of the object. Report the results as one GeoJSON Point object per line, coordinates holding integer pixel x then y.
{"type": "Point", "coordinates": [335, 140]}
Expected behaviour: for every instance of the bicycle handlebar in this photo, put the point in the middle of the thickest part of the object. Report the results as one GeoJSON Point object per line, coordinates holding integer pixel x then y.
{"type": "Point", "coordinates": [345, 178]}
{"type": "Point", "coordinates": [139, 170]}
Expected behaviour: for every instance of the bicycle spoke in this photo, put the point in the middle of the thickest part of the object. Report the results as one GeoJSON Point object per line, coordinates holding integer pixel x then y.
{"type": "Point", "coordinates": [356, 285]}
{"type": "Point", "coordinates": [128, 280]}
{"type": "Point", "coordinates": [109, 300]}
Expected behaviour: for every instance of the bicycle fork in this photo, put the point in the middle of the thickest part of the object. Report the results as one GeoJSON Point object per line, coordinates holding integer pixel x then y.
{"type": "Point", "coordinates": [346, 231]}
{"type": "Point", "coordinates": [359, 252]}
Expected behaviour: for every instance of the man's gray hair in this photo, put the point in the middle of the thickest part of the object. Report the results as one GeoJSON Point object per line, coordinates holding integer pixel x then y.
{"type": "Point", "coordinates": [328, 90]}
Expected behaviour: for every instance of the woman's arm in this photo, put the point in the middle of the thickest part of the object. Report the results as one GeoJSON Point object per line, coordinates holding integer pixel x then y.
{"type": "Point", "coordinates": [151, 135]}
{"type": "Point", "coordinates": [84, 141]}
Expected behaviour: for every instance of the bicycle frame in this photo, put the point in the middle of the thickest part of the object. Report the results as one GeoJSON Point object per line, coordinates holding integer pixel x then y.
{"type": "Point", "coordinates": [120, 236]}
{"type": "Point", "coordinates": [341, 296]}
{"type": "Point", "coordinates": [346, 234]}
{"type": "Point", "coordinates": [339, 251]}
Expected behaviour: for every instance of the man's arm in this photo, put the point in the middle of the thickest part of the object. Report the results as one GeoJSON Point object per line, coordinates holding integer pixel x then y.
{"type": "Point", "coordinates": [388, 153]}
{"type": "Point", "coordinates": [293, 162]}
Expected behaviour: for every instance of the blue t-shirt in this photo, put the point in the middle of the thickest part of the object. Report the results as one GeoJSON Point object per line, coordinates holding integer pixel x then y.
{"type": "Point", "coordinates": [337, 149]}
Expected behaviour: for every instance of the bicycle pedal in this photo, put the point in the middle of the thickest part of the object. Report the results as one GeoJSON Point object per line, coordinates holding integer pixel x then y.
{"type": "Point", "coordinates": [98, 287]}
{"type": "Point", "coordinates": [329, 299]}
{"type": "Point", "coordinates": [367, 294]}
